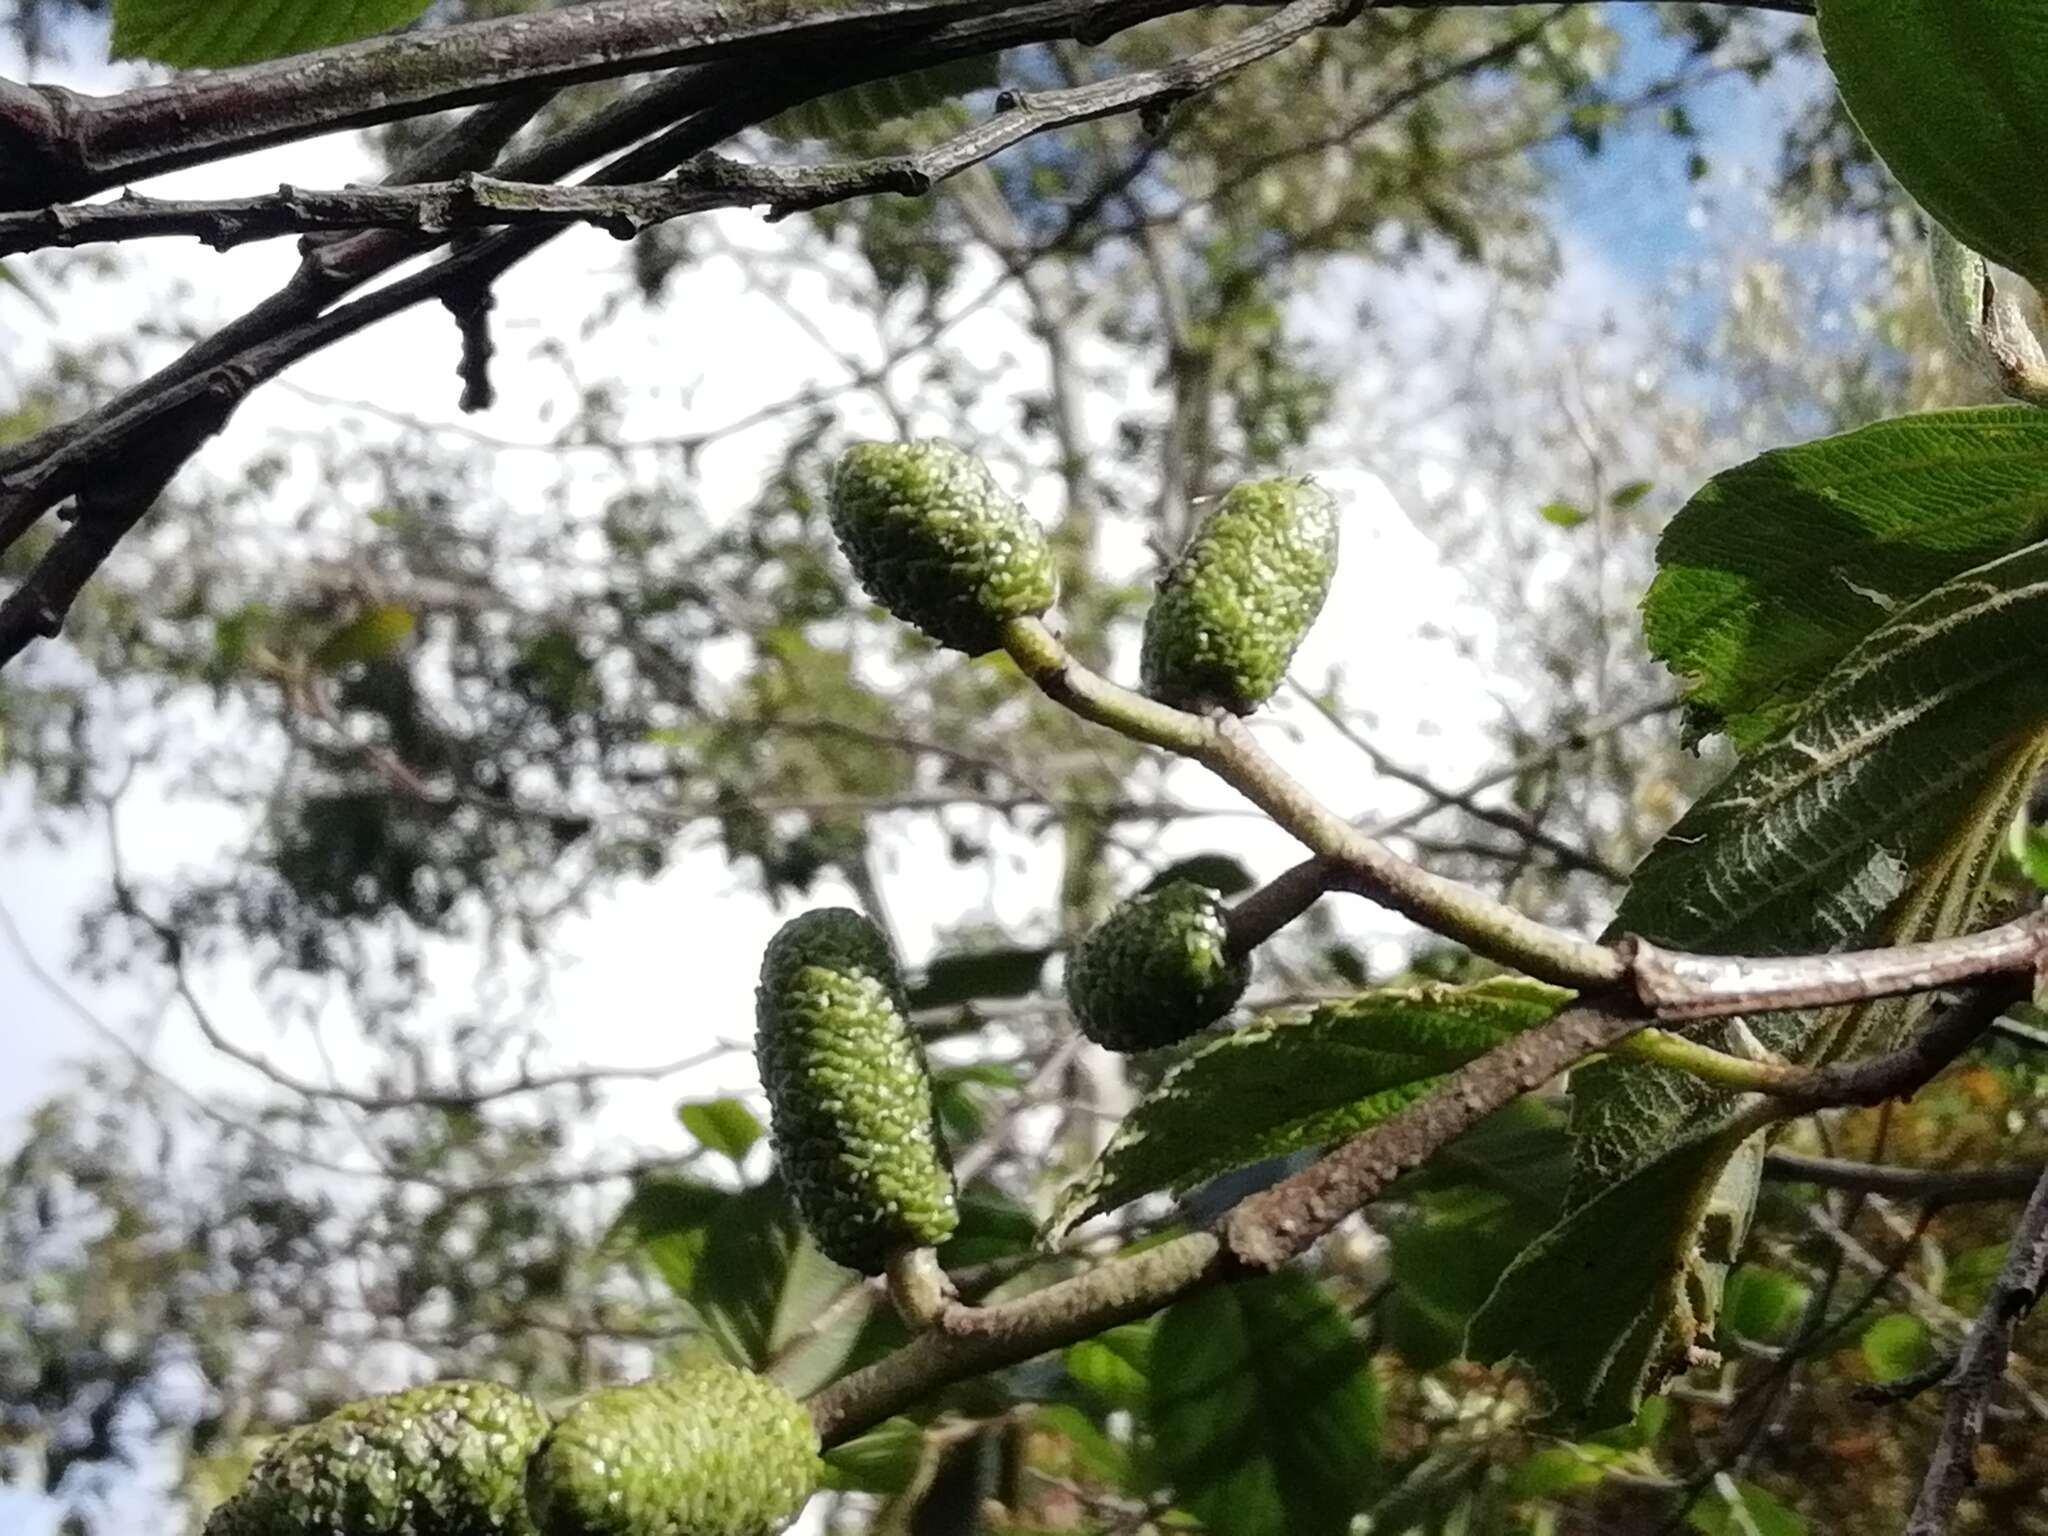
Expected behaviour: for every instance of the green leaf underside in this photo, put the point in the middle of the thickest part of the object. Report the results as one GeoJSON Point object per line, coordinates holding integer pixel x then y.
{"type": "Point", "coordinates": [906, 103]}
{"type": "Point", "coordinates": [219, 33]}
{"type": "Point", "coordinates": [883, 1460]}
{"type": "Point", "coordinates": [1873, 816]}
{"type": "Point", "coordinates": [1589, 1306]}
{"type": "Point", "coordinates": [1284, 1083]}
{"type": "Point", "coordinates": [1264, 1409]}
{"type": "Point", "coordinates": [1461, 1221]}
{"type": "Point", "coordinates": [1779, 567]}
{"type": "Point", "coordinates": [1948, 94]}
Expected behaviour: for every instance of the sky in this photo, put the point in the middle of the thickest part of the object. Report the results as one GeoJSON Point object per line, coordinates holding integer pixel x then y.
{"type": "Point", "coordinates": [718, 351]}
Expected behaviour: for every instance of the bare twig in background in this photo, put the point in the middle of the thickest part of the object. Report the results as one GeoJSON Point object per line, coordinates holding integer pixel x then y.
{"type": "Point", "coordinates": [1930, 1186]}
{"type": "Point", "coordinates": [1979, 1367]}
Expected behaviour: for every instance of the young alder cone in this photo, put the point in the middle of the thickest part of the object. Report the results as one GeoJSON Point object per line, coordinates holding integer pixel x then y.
{"type": "Point", "coordinates": [709, 1451]}
{"type": "Point", "coordinates": [1234, 607]}
{"type": "Point", "coordinates": [849, 1098]}
{"type": "Point", "coordinates": [444, 1460]}
{"type": "Point", "coordinates": [1155, 970]}
{"type": "Point", "coordinates": [935, 541]}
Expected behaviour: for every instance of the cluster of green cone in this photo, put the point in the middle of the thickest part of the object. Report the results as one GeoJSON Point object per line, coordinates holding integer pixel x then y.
{"type": "Point", "coordinates": [708, 1451]}
{"type": "Point", "coordinates": [938, 543]}
{"type": "Point", "coordinates": [712, 1450]}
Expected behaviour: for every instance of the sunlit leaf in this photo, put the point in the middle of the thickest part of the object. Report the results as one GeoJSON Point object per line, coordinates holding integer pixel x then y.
{"type": "Point", "coordinates": [1896, 1346]}
{"type": "Point", "coordinates": [213, 33]}
{"type": "Point", "coordinates": [725, 1126]}
{"type": "Point", "coordinates": [1948, 93]}
{"type": "Point", "coordinates": [373, 635]}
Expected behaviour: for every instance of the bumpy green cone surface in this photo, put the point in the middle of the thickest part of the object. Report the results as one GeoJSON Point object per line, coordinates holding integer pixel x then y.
{"type": "Point", "coordinates": [444, 1460]}
{"type": "Point", "coordinates": [935, 541]}
{"type": "Point", "coordinates": [1237, 603]}
{"type": "Point", "coordinates": [710, 1451]}
{"type": "Point", "coordinates": [1155, 970]}
{"type": "Point", "coordinates": [850, 1100]}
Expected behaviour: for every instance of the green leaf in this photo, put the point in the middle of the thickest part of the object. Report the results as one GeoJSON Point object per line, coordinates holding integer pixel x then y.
{"type": "Point", "coordinates": [883, 1460]}
{"type": "Point", "coordinates": [953, 979]}
{"type": "Point", "coordinates": [1780, 566]}
{"type": "Point", "coordinates": [769, 1298]}
{"type": "Point", "coordinates": [1743, 1509]}
{"type": "Point", "coordinates": [1265, 1413]}
{"type": "Point", "coordinates": [1971, 1275]}
{"type": "Point", "coordinates": [1763, 1305]}
{"type": "Point", "coordinates": [668, 1220]}
{"type": "Point", "coordinates": [1948, 94]}
{"type": "Point", "coordinates": [1469, 1212]}
{"type": "Point", "coordinates": [1896, 1346]}
{"type": "Point", "coordinates": [1283, 1083]}
{"type": "Point", "coordinates": [1873, 817]}
{"type": "Point", "coordinates": [901, 100]}
{"type": "Point", "coordinates": [723, 1125]}
{"type": "Point", "coordinates": [1593, 1305]}
{"type": "Point", "coordinates": [373, 635]}
{"type": "Point", "coordinates": [2028, 844]}
{"type": "Point", "coordinates": [992, 1226]}
{"type": "Point", "coordinates": [1558, 1470]}
{"type": "Point", "coordinates": [216, 33]}
{"type": "Point", "coordinates": [1218, 872]}
{"type": "Point", "coordinates": [1112, 1365]}
{"type": "Point", "coordinates": [1561, 514]}
{"type": "Point", "coordinates": [1447, 1258]}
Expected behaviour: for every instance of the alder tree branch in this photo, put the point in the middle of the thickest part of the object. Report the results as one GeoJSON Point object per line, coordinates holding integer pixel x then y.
{"type": "Point", "coordinates": [1920, 1186]}
{"type": "Point", "coordinates": [1284, 1222]}
{"type": "Point", "coordinates": [57, 145]}
{"type": "Point", "coordinates": [1277, 1225]}
{"type": "Point", "coordinates": [1979, 1367]}
{"type": "Point", "coordinates": [973, 1340]}
{"type": "Point", "coordinates": [439, 208]}
{"type": "Point", "coordinates": [1663, 986]}
{"type": "Point", "coordinates": [75, 145]}
{"type": "Point", "coordinates": [199, 394]}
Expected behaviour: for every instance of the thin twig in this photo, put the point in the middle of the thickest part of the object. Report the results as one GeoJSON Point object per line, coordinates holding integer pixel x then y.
{"type": "Point", "coordinates": [1979, 1368]}
{"type": "Point", "coordinates": [1927, 1186]}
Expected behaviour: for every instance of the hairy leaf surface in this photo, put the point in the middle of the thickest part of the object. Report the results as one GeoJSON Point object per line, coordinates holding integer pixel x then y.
{"type": "Point", "coordinates": [223, 32]}
{"type": "Point", "coordinates": [1873, 817]}
{"type": "Point", "coordinates": [1284, 1083]}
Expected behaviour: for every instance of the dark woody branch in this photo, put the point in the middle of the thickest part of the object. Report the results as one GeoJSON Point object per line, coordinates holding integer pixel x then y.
{"type": "Point", "coordinates": [56, 145]}
{"type": "Point", "coordinates": [438, 208]}
{"type": "Point", "coordinates": [291, 327]}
